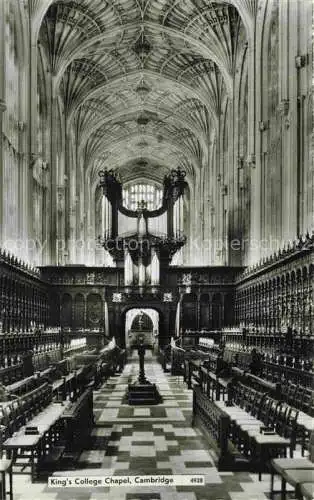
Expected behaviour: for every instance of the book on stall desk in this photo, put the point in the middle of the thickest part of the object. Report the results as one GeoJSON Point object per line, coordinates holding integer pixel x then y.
{"type": "Point", "coordinates": [267, 431]}
{"type": "Point", "coordinates": [31, 431]}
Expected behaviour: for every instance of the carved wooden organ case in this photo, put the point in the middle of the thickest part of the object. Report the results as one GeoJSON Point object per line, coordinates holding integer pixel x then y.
{"type": "Point", "coordinates": [143, 251]}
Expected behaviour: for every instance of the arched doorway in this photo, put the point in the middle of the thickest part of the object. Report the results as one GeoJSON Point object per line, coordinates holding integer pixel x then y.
{"type": "Point", "coordinates": [163, 330]}
{"type": "Point", "coordinates": [144, 322]}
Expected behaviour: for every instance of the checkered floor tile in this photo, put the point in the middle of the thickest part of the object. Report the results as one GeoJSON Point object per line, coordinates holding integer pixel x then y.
{"type": "Point", "coordinates": [150, 440]}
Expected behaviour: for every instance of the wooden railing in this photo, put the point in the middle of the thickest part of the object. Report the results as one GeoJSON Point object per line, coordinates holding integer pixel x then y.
{"type": "Point", "coordinates": [215, 423]}
{"type": "Point", "coordinates": [78, 420]}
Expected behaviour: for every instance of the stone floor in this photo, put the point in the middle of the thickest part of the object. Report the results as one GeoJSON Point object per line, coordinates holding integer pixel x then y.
{"type": "Point", "coordinates": [149, 440]}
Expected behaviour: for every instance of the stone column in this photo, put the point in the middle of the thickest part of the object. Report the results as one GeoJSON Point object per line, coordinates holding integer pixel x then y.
{"type": "Point", "coordinates": [287, 89]}
{"type": "Point", "coordinates": [2, 104]}
{"type": "Point", "coordinates": [31, 84]}
{"type": "Point", "coordinates": [2, 110]}
{"type": "Point", "coordinates": [53, 182]}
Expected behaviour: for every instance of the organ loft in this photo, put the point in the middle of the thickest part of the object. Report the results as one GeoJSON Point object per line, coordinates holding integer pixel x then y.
{"type": "Point", "coordinates": [156, 249]}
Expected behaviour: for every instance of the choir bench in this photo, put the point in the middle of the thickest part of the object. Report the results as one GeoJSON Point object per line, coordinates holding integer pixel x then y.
{"type": "Point", "coordinates": [35, 440]}
{"type": "Point", "coordinates": [49, 430]}
{"type": "Point", "coordinates": [279, 372]}
{"type": "Point", "coordinates": [261, 426]}
{"type": "Point", "coordinates": [103, 363]}
{"type": "Point", "coordinates": [258, 426]}
{"type": "Point", "coordinates": [40, 432]}
{"type": "Point", "coordinates": [64, 382]}
{"type": "Point", "coordinates": [11, 374]}
{"type": "Point", "coordinates": [78, 419]}
{"type": "Point", "coordinates": [296, 424]}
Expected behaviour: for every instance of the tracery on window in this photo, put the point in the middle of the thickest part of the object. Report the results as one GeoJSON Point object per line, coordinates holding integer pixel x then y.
{"type": "Point", "coordinates": [134, 194]}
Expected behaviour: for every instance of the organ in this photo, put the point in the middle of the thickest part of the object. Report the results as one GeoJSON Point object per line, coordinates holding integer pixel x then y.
{"type": "Point", "coordinates": [155, 226]}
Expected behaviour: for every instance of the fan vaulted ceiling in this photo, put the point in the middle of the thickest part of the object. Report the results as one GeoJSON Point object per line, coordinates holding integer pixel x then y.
{"type": "Point", "coordinates": [142, 80]}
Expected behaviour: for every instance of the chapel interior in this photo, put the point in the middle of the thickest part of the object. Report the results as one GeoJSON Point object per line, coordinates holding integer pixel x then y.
{"type": "Point", "coordinates": [156, 250]}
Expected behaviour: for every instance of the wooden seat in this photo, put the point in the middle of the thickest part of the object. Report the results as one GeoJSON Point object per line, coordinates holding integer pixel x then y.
{"type": "Point", "coordinates": [290, 392]}
{"type": "Point", "coordinates": [308, 402]}
{"type": "Point", "coordinates": [305, 426]}
{"type": "Point", "coordinates": [299, 397]}
{"type": "Point", "coordinates": [6, 468]}
{"type": "Point", "coordinates": [296, 477]}
{"type": "Point", "coordinates": [268, 424]}
{"type": "Point", "coordinates": [307, 490]}
{"type": "Point", "coordinates": [264, 446]}
{"type": "Point", "coordinates": [269, 420]}
{"type": "Point", "coordinates": [280, 464]}
{"type": "Point", "coordinates": [304, 418]}
{"type": "Point", "coordinates": [259, 412]}
{"type": "Point", "coordinates": [287, 426]}
{"type": "Point", "coordinates": [5, 464]}
{"type": "Point", "coordinates": [31, 445]}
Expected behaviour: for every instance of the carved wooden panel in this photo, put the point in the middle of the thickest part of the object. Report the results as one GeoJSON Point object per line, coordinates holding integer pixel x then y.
{"type": "Point", "coordinates": [94, 310]}
{"type": "Point", "coordinates": [204, 311]}
{"type": "Point", "coordinates": [216, 311]}
{"type": "Point", "coordinates": [79, 311]}
{"type": "Point", "coordinates": [189, 312]}
{"type": "Point", "coordinates": [66, 310]}
{"type": "Point", "coordinates": [55, 309]}
{"type": "Point", "coordinates": [228, 309]}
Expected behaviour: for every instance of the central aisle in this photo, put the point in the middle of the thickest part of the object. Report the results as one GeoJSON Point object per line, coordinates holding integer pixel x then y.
{"type": "Point", "coordinates": [132, 440]}
{"type": "Point", "coordinates": [159, 440]}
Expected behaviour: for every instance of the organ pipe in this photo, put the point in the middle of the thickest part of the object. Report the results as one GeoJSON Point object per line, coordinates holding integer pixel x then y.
{"type": "Point", "coordinates": [106, 320]}
{"type": "Point", "coordinates": [155, 276]}
{"type": "Point", "coordinates": [141, 226]}
{"type": "Point", "coordinates": [141, 272]}
{"type": "Point", "coordinates": [177, 326]}
{"type": "Point", "coordinates": [181, 213]}
{"type": "Point", "coordinates": [103, 216]}
{"type": "Point", "coordinates": [106, 217]}
{"type": "Point", "coordinates": [176, 217]}
{"type": "Point", "coordinates": [128, 268]}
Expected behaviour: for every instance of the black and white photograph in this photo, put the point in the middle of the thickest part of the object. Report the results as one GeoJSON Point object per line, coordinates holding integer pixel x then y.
{"type": "Point", "coordinates": [156, 250]}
